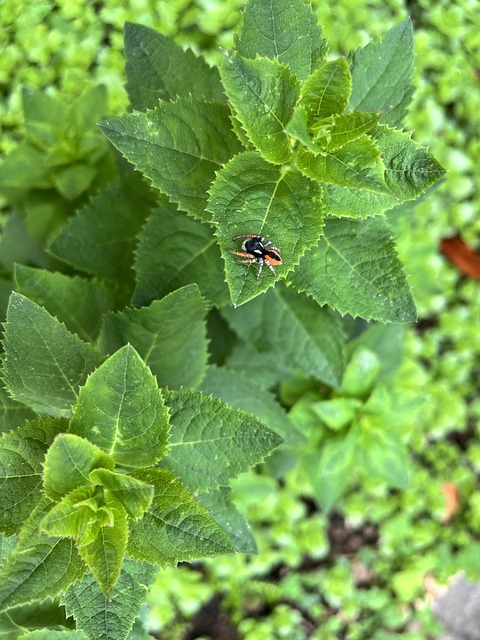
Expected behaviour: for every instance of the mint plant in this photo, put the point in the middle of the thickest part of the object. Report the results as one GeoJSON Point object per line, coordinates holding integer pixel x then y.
{"type": "Point", "coordinates": [102, 477]}
{"type": "Point", "coordinates": [304, 154]}
{"type": "Point", "coordinates": [357, 431]}
{"type": "Point", "coordinates": [52, 170]}
{"type": "Point", "coordinates": [120, 438]}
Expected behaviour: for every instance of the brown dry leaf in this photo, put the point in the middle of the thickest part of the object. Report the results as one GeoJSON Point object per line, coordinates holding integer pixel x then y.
{"type": "Point", "coordinates": [462, 256]}
{"type": "Point", "coordinates": [452, 500]}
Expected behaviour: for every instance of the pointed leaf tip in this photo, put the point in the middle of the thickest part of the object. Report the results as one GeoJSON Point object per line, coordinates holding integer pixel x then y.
{"type": "Point", "coordinates": [121, 410]}
{"type": "Point", "coordinates": [44, 364]}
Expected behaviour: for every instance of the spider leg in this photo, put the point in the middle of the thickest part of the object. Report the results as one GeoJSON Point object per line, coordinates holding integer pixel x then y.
{"type": "Point", "coordinates": [260, 269]}
{"type": "Point", "coordinates": [271, 268]}
{"type": "Point", "coordinates": [242, 254]}
{"type": "Point", "coordinates": [249, 235]}
{"type": "Point", "coordinates": [248, 260]}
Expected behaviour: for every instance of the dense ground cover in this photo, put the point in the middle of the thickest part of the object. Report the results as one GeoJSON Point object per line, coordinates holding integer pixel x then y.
{"type": "Point", "coordinates": [359, 571]}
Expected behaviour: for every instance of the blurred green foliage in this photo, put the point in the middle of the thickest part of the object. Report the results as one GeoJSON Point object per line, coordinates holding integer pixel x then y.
{"type": "Point", "coordinates": [62, 46]}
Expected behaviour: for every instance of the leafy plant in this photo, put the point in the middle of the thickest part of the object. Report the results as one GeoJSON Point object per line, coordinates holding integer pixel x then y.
{"type": "Point", "coordinates": [312, 145]}
{"type": "Point", "coordinates": [360, 429]}
{"type": "Point", "coordinates": [49, 174]}
{"type": "Point", "coordinates": [131, 438]}
{"type": "Point", "coordinates": [108, 472]}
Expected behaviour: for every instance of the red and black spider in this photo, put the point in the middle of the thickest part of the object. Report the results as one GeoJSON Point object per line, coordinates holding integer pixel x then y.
{"type": "Point", "coordinates": [255, 249]}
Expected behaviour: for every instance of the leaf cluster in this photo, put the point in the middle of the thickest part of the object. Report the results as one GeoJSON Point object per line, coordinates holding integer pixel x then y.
{"type": "Point", "coordinates": [356, 431]}
{"type": "Point", "coordinates": [61, 159]}
{"type": "Point", "coordinates": [131, 439]}
{"type": "Point", "coordinates": [306, 154]}
{"type": "Point", "coordinates": [101, 476]}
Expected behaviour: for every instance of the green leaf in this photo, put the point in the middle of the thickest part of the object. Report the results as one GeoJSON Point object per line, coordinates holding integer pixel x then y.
{"type": "Point", "coordinates": [121, 410]}
{"type": "Point", "coordinates": [356, 270]}
{"type": "Point", "coordinates": [100, 238]}
{"type": "Point", "coordinates": [337, 413]}
{"type": "Point", "coordinates": [48, 634]}
{"type": "Point", "coordinates": [404, 408]}
{"type": "Point", "coordinates": [219, 504]}
{"type": "Point", "coordinates": [7, 545]}
{"type": "Point", "coordinates": [336, 131]}
{"type": "Point", "coordinates": [178, 146]}
{"type": "Point", "coordinates": [210, 442]}
{"type": "Point", "coordinates": [176, 528]}
{"type": "Point", "coordinates": [73, 153]}
{"type": "Point", "coordinates": [250, 195]}
{"type": "Point", "coordinates": [138, 631]}
{"type": "Point", "coordinates": [77, 302]}
{"type": "Point", "coordinates": [284, 30]}
{"type": "Point", "coordinates": [175, 250]}
{"type": "Point", "coordinates": [17, 244]}
{"type": "Point", "coordinates": [74, 179]}
{"type": "Point", "coordinates": [302, 412]}
{"type": "Point", "coordinates": [298, 128]}
{"type": "Point", "coordinates": [104, 555]}
{"type": "Point", "coordinates": [21, 456]}
{"type": "Point", "coordinates": [381, 453]}
{"type": "Point", "coordinates": [81, 514]}
{"type": "Point", "coordinates": [45, 613]}
{"type": "Point", "coordinates": [387, 342]}
{"type": "Point", "coordinates": [352, 203]}
{"type": "Point", "coordinates": [12, 413]}
{"type": "Point", "coordinates": [69, 462]}
{"type": "Point", "coordinates": [236, 389]}
{"type": "Point", "coordinates": [103, 618]}
{"type": "Point", "coordinates": [327, 90]}
{"type": "Point", "coordinates": [158, 69]}
{"type": "Point", "coordinates": [24, 165]}
{"type": "Point", "coordinates": [332, 471]}
{"type": "Point", "coordinates": [379, 404]}
{"type": "Point", "coordinates": [382, 75]}
{"type": "Point", "coordinates": [82, 117]}
{"type": "Point", "coordinates": [357, 165]}
{"type": "Point", "coordinates": [40, 566]}
{"type": "Point", "coordinates": [263, 93]}
{"type": "Point", "coordinates": [361, 373]}
{"type": "Point", "coordinates": [409, 168]}
{"type": "Point", "coordinates": [46, 212]}
{"type": "Point", "coordinates": [42, 113]}
{"type": "Point", "coordinates": [170, 335]}
{"type": "Point", "coordinates": [262, 368]}
{"type": "Point", "coordinates": [136, 496]}
{"type": "Point", "coordinates": [44, 364]}
{"type": "Point", "coordinates": [295, 331]}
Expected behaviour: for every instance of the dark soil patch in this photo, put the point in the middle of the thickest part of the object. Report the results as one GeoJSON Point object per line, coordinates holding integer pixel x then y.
{"type": "Point", "coordinates": [344, 540]}
{"type": "Point", "coordinates": [212, 622]}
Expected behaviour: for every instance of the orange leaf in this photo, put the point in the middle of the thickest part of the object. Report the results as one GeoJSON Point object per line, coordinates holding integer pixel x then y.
{"type": "Point", "coordinates": [460, 254]}
{"type": "Point", "coordinates": [452, 500]}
